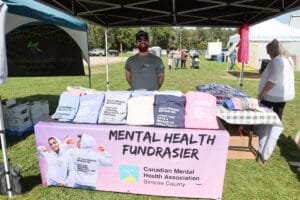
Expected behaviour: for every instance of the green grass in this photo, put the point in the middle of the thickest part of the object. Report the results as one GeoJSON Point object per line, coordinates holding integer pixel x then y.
{"type": "Point", "coordinates": [244, 179]}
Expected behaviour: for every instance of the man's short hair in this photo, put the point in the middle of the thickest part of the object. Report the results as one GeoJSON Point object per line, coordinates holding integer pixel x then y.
{"type": "Point", "coordinates": [141, 33]}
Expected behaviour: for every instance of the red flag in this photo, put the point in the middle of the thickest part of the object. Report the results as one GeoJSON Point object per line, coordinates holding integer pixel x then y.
{"type": "Point", "coordinates": [243, 51]}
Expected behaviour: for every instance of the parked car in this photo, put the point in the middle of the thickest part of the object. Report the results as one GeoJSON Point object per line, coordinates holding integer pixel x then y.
{"type": "Point", "coordinates": [97, 52]}
{"type": "Point", "coordinates": [113, 52]}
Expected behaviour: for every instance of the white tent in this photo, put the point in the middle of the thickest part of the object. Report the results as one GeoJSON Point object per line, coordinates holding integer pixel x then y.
{"type": "Point", "coordinates": [295, 21]}
{"type": "Point", "coordinates": [270, 29]}
{"type": "Point", "coordinates": [3, 60]}
{"type": "Point", "coordinates": [262, 33]}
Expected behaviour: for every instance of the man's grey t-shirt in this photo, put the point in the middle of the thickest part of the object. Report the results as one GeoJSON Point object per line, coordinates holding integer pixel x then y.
{"type": "Point", "coordinates": [144, 71]}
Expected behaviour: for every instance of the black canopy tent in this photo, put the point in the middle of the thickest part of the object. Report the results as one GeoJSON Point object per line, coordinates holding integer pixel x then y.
{"type": "Point", "coordinates": [222, 13]}
{"type": "Point", "coordinates": [199, 13]}
{"type": "Point", "coordinates": [129, 13]}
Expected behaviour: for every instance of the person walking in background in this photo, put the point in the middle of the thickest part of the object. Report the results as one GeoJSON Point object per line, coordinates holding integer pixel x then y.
{"type": "Point", "coordinates": [144, 70]}
{"type": "Point", "coordinates": [170, 58]}
{"type": "Point", "coordinates": [232, 59]}
{"type": "Point", "coordinates": [176, 56]}
{"type": "Point", "coordinates": [277, 83]}
{"type": "Point", "coordinates": [183, 56]}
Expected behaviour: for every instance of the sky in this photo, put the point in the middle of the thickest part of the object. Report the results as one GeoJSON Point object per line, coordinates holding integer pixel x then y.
{"type": "Point", "coordinates": [285, 18]}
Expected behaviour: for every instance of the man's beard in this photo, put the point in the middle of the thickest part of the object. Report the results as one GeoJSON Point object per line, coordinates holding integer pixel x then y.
{"type": "Point", "coordinates": [143, 48]}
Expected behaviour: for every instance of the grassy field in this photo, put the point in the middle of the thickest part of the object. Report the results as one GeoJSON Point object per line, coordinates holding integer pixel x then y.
{"type": "Point", "coordinates": [244, 179]}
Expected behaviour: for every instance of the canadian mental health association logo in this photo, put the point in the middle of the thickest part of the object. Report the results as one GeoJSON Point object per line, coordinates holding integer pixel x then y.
{"type": "Point", "coordinates": [129, 173]}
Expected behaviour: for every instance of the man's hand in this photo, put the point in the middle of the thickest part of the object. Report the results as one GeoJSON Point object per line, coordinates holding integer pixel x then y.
{"type": "Point", "coordinates": [44, 149]}
{"type": "Point", "coordinates": [101, 149]}
{"type": "Point", "coordinates": [68, 140]}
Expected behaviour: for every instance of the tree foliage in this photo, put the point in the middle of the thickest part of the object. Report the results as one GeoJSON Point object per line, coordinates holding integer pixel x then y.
{"type": "Point", "coordinates": [123, 39]}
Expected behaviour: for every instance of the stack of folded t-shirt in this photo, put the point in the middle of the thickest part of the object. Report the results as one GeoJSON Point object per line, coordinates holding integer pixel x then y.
{"type": "Point", "coordinates": [89, 108]}
{"type": "Point", "coordinates": [140, 110]}
{"type": "Point", "coordinates": [114, 109]}
{"type": "Point", "coordinates": [67, 107]}
{"type": "Point", "coordinates": [200, 110]}
{"type": "Point", "coordinates": [236, 103]}
{"type": "Point", "coordinates": [169, 110]}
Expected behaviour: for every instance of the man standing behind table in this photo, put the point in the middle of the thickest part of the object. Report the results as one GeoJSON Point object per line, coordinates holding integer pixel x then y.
{"type": "Point", "coordinates": [144, 70]}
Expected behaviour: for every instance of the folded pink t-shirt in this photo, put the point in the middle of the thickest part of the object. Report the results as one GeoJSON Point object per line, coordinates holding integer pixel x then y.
{"type": "Point", "coordinates": [200, 110]}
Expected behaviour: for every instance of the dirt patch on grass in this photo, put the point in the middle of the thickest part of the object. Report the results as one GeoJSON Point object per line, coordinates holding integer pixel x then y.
{"type": "Point", "coordinates": [98, 63]}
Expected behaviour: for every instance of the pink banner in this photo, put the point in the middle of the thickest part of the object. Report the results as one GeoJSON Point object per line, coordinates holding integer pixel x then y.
{"type": "Point", "coordinates": [133, 159]}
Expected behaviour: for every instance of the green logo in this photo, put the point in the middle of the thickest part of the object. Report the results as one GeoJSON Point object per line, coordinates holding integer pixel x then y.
{"type": "Point", "coordinates": [33, 47]}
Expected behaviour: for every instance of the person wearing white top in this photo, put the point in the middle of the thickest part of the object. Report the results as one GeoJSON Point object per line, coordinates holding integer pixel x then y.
{"type": "Point", "coordinates": [57, 164]}
{"type": "Point", "coordinates": [85, 162]}
{"type": "Point", "coordinates": [277, 83]}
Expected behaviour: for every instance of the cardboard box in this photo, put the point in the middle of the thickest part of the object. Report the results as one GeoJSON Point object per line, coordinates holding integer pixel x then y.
{"type": "Point", "coordinates": [240, 146]}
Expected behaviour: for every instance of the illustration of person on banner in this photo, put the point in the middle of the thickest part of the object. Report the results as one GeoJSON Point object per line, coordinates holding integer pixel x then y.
{"type": "Point", "coordinates": [57, 164]}
{"type": "Point", "coordinates": [84, 162]}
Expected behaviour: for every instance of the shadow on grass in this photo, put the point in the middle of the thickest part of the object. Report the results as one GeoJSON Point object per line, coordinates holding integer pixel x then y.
{"type": "Point", "coordinates": [28, 183]}
{"type": "Point", "coordinates": [252, 75]}
{"type": "Point", "coordinates": [52, 101]}
{"type": "Point", "coordinates": [31, 181]}
{"type": "Point", "coordinates": [290, 151]}
{"type": "Point", "coordinates": [13, 140]}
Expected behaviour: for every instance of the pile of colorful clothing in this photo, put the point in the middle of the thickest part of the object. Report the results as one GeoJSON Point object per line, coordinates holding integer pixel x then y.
{"type": "Point", "coordinates": [222, 91]}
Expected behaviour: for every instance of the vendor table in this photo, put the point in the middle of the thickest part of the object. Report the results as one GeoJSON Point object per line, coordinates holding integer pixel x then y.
{"type": "Point", "coordinates": [145, 160]}
{"type": "Point", "coordinates": [266, 124]}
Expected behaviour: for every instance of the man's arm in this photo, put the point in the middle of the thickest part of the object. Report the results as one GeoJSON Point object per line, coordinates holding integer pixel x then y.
{"type": "Point", "coordinates": [267, 87]}
{"type": "Point", "coordinates": [161, 78]}
{"type": "Point", "coordinates": [128, 77]}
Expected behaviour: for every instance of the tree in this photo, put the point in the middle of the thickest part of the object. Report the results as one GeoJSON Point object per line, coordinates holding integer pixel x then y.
{"type": "Point", "coordinates": [165, 37]}
{"type": "Point", "coordinates": [124, 38]}
{"type": "Point", "coordinates": [96, 38]}
{"type": "Point", "coordinates": [162, 36]}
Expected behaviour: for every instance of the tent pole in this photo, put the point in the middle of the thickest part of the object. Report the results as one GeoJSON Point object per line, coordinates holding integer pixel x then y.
{"type": "Point", "coordinates": [226, 63]}
{"type": "Point", "coordinates": [3, 11]}
{"type": "Point", "coordinates": [5, 158]}
{"type": "Point", "coordinates": [89, 68]}
{"type": "Point", "coordinates": [106, 61]}
{"type": "Point", "coordinates": [241, 75]}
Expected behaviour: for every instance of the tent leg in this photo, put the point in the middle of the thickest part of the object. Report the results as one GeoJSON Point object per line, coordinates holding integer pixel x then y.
{"type": "Point", "coordinates": [5, 158]}
{"type": "Point", "coordinates": [241, 76]}
{"type": "Point", "coordinates": [107, 79]}
{"type": "Point", "coordinates": [226, 65]}
{"type": "Point", "coordinates": [90, 82]}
